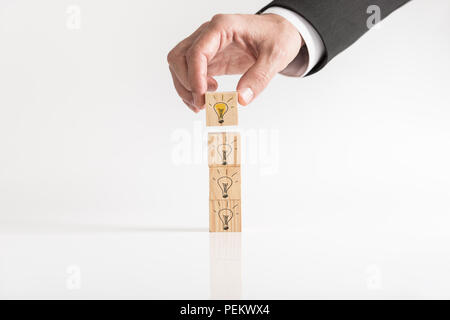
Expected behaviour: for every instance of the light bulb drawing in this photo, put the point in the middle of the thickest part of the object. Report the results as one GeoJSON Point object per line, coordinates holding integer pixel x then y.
{"type": "Point", "coordinates": [227, 212]}
{"type": "Point", "coordinates": [221, 109]}
{"type": "Point", "coordinates": [224, 151]}
{"type": "Point", "coordinates": [225, 179]}
{"type": "Point", "coordinates": [222, 106]}
{"type": "Point", "coordinates": [225, 184]}
{"type": "Point", "coordinates": [225, 215]}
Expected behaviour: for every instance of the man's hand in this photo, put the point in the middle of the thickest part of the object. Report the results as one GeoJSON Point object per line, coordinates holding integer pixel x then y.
{"type": "Point", "coordinates": [256, 46]}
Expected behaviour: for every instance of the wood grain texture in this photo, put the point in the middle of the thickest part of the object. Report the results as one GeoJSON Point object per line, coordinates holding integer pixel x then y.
{"type": "Point", "coordinates": [225, 216]}
{"type": "Point", "coordinates": [224, 148]}
{"type": "Point", "coordinates": [225, 183]}
{"type": "Point", "coordinates": [221, 109]}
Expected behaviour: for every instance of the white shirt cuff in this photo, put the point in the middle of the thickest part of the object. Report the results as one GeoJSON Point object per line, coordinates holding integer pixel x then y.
{"type": "Point", "coordinates": [306, 59]}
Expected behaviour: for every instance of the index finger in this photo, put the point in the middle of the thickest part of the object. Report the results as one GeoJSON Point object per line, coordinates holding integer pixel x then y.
{"type": "Point", "coordinates": [177, 56]}
{"type": "Point", "coordinates": [201, 52]}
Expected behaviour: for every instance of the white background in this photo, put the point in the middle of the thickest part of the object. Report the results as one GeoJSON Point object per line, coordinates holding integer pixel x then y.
{"type": "Point", "coordinates": [353, 201]}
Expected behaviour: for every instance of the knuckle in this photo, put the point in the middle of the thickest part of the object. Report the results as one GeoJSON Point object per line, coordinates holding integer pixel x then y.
{"type": "Point", "coordinates": [197, 87]}
{"type": "Point", "coordinates": [278, 51]}
{"type": "Point", "coordinates": [203, 25]}
{"type": "Point", "coordinates": [171, 56]}
{"type": "Point", "coordinates": [261, 77]}
{"type": "Point", "coordinates": [192, 52]}
{"type": "Point", "coordinates": [218, 17]}
{"type": "Point", "coordinates": [220, 20]}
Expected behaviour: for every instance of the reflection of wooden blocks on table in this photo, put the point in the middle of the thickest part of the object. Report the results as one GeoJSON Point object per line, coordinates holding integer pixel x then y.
{"type": "Point", "coordinates": [224, 148]}
{"type": "Point", "coordinates": [221, 109]}
{"type": "Point", "coordinates": [225, 183]}
{"type": "Point", "coordinates": [225, 215]}
{"type": "Point", "coordinates": [225, 252]}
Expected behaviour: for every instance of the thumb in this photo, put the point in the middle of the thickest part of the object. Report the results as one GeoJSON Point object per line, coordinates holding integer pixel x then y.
{"type": "Point", "coordinates": [256, 79]}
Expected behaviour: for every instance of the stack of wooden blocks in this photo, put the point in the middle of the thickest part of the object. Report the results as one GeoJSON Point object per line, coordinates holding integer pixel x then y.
{"type": "Point", "coordinates": [224, 160]}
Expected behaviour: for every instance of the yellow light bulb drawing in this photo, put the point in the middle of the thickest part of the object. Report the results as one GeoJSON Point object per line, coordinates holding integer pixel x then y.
{"type": "Point", "coordinates": [221, 109]}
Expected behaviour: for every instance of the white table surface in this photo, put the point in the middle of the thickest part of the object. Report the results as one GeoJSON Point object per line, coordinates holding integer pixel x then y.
{"type": "Point", "coordinates": [126, 262]}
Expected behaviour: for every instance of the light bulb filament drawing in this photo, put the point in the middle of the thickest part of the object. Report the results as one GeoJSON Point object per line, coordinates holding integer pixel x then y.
{"type": "Point", "coordinates": [224, 151]}
{"type": "Point", "coordinates": [225, 184]}
{"type": "Point", "coordinates": [221, 109]}
{"type": "Point", "coordinates": [225, 216]}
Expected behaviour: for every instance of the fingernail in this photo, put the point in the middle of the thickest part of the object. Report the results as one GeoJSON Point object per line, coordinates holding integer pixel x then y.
{"type": "Point", "coordinates": [247, 95]}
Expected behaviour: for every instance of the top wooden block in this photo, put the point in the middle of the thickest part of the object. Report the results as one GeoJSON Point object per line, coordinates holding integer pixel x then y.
{"type": "Point", "coordinates": [221, 109]}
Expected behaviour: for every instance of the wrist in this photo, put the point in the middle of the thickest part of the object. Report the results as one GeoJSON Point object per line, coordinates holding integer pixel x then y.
{"type": "Point", "coordinates": [312, 50]}
{"type": "Point", "coordinates": [284, 26]}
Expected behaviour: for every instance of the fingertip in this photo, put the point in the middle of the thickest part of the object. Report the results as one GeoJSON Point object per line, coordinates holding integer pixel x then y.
{"type": "Point", "coordinates": [212, 84]}
{"type": "Point", "coordinates": [242, 102]}
{"type": "Point", "coordinates": [199, 100]}
{"type": "Point", "coordinates": [246, 96]}
{"type": "Point", "coordinates": [190, 106]}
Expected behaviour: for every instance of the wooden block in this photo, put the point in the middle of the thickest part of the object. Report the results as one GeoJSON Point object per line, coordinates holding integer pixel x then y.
{"type": "Point", "coordinates": [225, 216]}
{"type": "Point", "coordinates": [225, 183]}
{"type": "Point", "coordinates": [221, 109]}
{"type": "Point", "coordinates": [224, 148]}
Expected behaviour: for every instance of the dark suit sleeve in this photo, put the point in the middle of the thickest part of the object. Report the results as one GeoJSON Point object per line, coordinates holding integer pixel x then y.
{"type": "Point", "coordinates": [339, 22]}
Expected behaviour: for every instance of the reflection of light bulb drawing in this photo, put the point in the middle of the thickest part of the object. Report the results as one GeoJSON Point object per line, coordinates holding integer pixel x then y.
{"type": "Point", "coordinates": [221, 109]}
{"type": "Point", "coordinates": [225, 216]}
{"type": "Point", "coordinates": [224, 150]}
{"type": "Point", "coordinates": [225, 184]}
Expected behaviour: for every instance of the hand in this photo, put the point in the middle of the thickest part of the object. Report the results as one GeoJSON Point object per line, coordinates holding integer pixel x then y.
{"type": "Point", "coordinates": [257, 46]}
